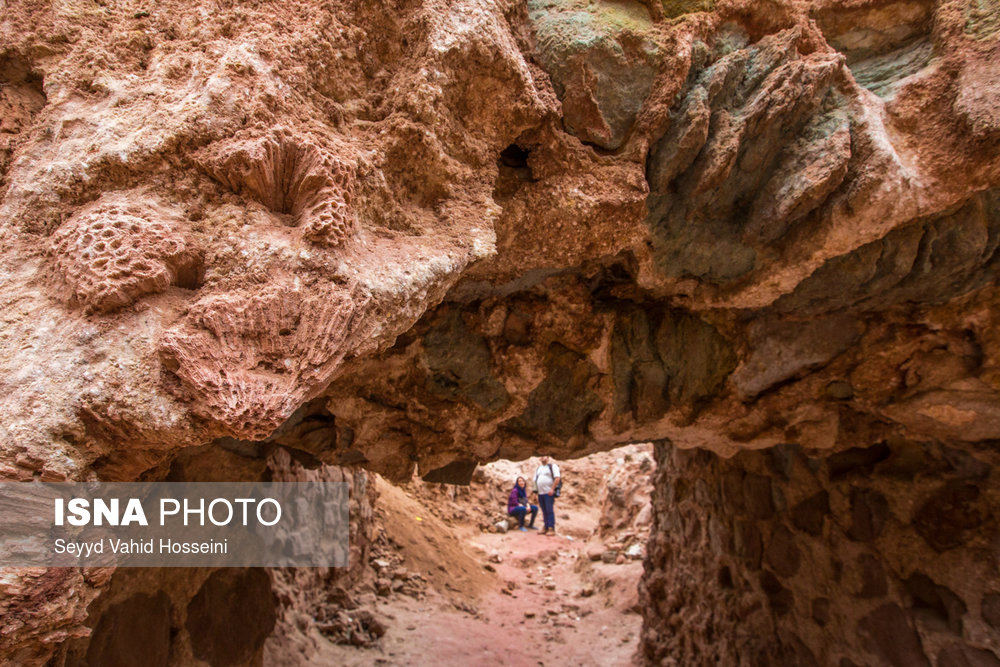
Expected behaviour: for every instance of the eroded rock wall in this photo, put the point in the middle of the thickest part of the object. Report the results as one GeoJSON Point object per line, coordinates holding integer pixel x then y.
{"type": "Point", "coordinates": [206, 214]}
{"type": "Point", "coordinates": [881, 554]}
{"type": "Point", "coordinates": [428, 234]}
{"type": "Point", "coordinates": [194, 616]}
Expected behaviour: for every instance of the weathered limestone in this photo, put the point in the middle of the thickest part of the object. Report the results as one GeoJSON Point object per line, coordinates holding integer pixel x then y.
{"type": "Point", "coordinates": [440, 233]}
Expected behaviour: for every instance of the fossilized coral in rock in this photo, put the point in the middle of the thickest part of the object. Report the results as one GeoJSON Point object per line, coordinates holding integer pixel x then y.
{"type": "Point", "coordinates": [290, 175]}
{"type": "Point", "coordinates": [249, 359]}
{"type": "Point", "coordinates": [114, 252]}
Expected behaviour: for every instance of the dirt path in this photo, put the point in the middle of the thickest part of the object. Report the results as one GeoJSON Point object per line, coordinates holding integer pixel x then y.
{"type": "Point", "coordinates": [516, 598]}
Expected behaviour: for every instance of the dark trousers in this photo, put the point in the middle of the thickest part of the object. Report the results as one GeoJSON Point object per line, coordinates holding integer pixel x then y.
{"type": "Point", "coordinates": [548, 504]}
{"type": "Point", "coordinates": [520, 511]}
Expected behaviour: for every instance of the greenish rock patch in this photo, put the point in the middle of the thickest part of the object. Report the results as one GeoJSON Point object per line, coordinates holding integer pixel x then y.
{"type": "Point", "coordinates": [758, 140]}
{"type": "Point", "coordinates": [884, 74]}
{"type": "Point", "coordinates": [459, 364]}
{"type": "Point", "coordinates": [602, 64]}
{"type": "Point", "coordinates": [563, 404]}
{"type": "Point", "coordinates": [696, 357]}
{"type": "Point", "coordinates": [928, 261]}
{"type": "Point", "coordinates": [640, 380]}
{"type": "Point", "coordinates": [982, 18]}
{"type": "Point", "coordinates": [665, 357]}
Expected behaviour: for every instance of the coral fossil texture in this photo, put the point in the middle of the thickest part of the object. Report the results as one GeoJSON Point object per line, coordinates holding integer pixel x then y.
{"type": "Point", "coordinates": [420, 233]}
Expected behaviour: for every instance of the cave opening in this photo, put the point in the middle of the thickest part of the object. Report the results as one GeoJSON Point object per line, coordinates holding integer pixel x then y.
{"type": "Point", "coordinates": [514, 169]}
{"type": "Point", "coordinates": [514, 157]}
{"type": "Point", "coordinates": [420, 548]}
{"type": "Point", "coordinates": [456, 551]}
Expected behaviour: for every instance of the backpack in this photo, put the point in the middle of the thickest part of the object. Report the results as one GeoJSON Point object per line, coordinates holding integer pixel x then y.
{"type": "Point", "coordinates": [558, 490]}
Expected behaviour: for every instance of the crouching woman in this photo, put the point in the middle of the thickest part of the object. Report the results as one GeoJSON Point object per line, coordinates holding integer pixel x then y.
{"type": "Point", "coordinates": [518, 505]}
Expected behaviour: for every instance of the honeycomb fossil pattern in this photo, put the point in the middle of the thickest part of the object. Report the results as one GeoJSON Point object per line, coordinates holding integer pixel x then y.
{"type": "Point", "coordinates": [110, 257]}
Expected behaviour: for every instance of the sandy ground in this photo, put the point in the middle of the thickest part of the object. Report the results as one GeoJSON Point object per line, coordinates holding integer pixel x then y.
{"type": "Point", "coordinates": [516, 598]}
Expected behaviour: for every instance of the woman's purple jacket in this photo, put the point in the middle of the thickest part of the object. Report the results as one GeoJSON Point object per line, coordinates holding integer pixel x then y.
{"type": "Point", "coordinates": [515, 499]}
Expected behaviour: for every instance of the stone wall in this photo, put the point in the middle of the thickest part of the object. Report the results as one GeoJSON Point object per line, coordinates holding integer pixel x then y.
{"type": "Point", "coordinates": [880, 555]}
{"type": "Point", "coordinates": [162, 617]}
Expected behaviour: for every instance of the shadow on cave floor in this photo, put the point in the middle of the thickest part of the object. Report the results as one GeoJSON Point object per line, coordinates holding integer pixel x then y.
{"type": "Point", "coordinates": [450, 581]}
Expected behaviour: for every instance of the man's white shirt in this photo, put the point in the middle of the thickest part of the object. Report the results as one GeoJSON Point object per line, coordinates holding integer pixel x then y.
{"type": "Point", "coordinates": [544, 477]}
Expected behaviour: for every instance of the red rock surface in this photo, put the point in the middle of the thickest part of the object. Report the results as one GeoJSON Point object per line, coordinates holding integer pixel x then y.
{"type": "Point", "coordinates": [432, 234]}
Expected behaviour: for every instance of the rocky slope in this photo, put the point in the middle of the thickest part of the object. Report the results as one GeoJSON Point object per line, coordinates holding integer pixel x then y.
{"type": "Point", "coordinates": [429, 234]}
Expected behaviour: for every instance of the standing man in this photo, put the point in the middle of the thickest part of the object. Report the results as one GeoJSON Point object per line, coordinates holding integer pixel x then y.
{"type": "Point", "coordinates": [546, 481]}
